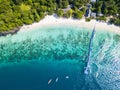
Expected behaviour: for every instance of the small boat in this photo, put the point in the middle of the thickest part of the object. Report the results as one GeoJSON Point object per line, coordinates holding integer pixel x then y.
{"type": "Point", "coordinates": [67, 77]}
{"type": "Point", "coordinates": [49, 81]}
{"type": "Point", "coordinates": [56, 79]}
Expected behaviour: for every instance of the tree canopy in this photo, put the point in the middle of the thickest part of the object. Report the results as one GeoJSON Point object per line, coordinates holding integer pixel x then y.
{"type": "Point", "coordinates": [14, 13]}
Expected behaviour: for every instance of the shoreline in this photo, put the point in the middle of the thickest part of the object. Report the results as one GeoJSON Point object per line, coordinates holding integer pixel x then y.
{"type": "Point", "coordinates": [12, 32]}
{"type": "Point", "coordinates": [52, 20]}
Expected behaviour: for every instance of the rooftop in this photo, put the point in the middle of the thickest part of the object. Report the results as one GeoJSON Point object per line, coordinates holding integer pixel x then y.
{"type": "Point", "coordinates": [93, 0]}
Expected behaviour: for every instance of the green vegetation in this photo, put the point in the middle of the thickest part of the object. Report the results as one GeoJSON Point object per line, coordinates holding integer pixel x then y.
{"type": "Point", "coordinates": [15, 13]}
{"type": "Point", "coordinates": [108, 8]}
{"type": "Point", "coordinates": [87, 19]}
{"type": "Point", "coordinates": [78, 14]}
{"type": "Point", "coordinates": [101, 18]}
{"type": "Point", "coordinates": [60, 12]}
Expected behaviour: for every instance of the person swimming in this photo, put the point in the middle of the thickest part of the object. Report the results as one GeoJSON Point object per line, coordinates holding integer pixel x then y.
{"type": "Point", "coordinates": [67, 77]}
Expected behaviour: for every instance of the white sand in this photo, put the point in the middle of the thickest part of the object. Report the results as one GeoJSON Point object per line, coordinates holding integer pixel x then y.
{"type": "Point", "coordinates": [51, 20]}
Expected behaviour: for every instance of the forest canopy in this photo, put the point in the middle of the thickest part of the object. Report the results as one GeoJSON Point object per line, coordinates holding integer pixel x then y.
{"type": "Point", "coordinates": [15, 13]}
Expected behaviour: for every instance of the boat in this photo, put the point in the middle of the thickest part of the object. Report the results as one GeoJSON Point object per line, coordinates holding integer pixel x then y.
{"type": "Point", "coordinates": [56, 79]}
{"type": "Point", "coordinates": [49, 81]}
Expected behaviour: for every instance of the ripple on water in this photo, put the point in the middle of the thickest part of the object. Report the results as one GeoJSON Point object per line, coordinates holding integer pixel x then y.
{"type": "Point", "coordinates": [31, 58]}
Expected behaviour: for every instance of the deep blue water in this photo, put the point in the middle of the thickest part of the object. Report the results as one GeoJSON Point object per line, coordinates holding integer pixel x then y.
{"type": "Point", "coordinates": [31, 58]}
{"type": "Point", "coordinates": [35, 76]}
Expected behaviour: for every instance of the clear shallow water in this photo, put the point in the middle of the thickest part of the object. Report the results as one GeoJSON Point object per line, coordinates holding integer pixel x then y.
{"type": "Point", "coordinates": [31, 58]}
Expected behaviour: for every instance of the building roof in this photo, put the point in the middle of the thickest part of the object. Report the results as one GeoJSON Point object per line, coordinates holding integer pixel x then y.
{"type": "Point", "coordinates": [93, 14]}
{"type": "Point", "coordinates": [100, 14]}
{"type": "Point", "coordinates": [93, 0]}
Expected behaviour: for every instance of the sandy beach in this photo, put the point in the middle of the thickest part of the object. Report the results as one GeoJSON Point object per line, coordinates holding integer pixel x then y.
{"type": "Point", "coordinates": [52, 20]}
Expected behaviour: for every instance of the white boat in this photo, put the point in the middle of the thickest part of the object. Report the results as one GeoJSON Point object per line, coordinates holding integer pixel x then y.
{"type": "Point", "coordinates": [49, 81]}
{"type": "Point", "coordinates": [56, 79]}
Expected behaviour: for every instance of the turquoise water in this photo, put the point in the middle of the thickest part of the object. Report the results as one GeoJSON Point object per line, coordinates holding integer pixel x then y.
{"type": "Point", "coordinates": [30, 58]}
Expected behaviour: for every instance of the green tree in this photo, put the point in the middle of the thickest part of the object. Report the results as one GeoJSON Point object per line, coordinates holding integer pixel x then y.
{"type": "Point", "coordinates": [65, 4]}
{"type": "Point", "coordinates": [36, 15]}
{"type": "Point", "coordinates": [18, 1]}
{"type": "Point", "coordinates": [60, 12]}
{"type": "Point", "coordinates": [102, 18]}
{"type": "Point", "coordinates": [27, 20]}
{"type": "Point", "coordinates": [78, 14]}
{"type": "Point", "coordinates": [66, 15]}
{"type": "Point", "coordinates": [70, 12]}
{"type": "Point", "coordinates": [42, 15]}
